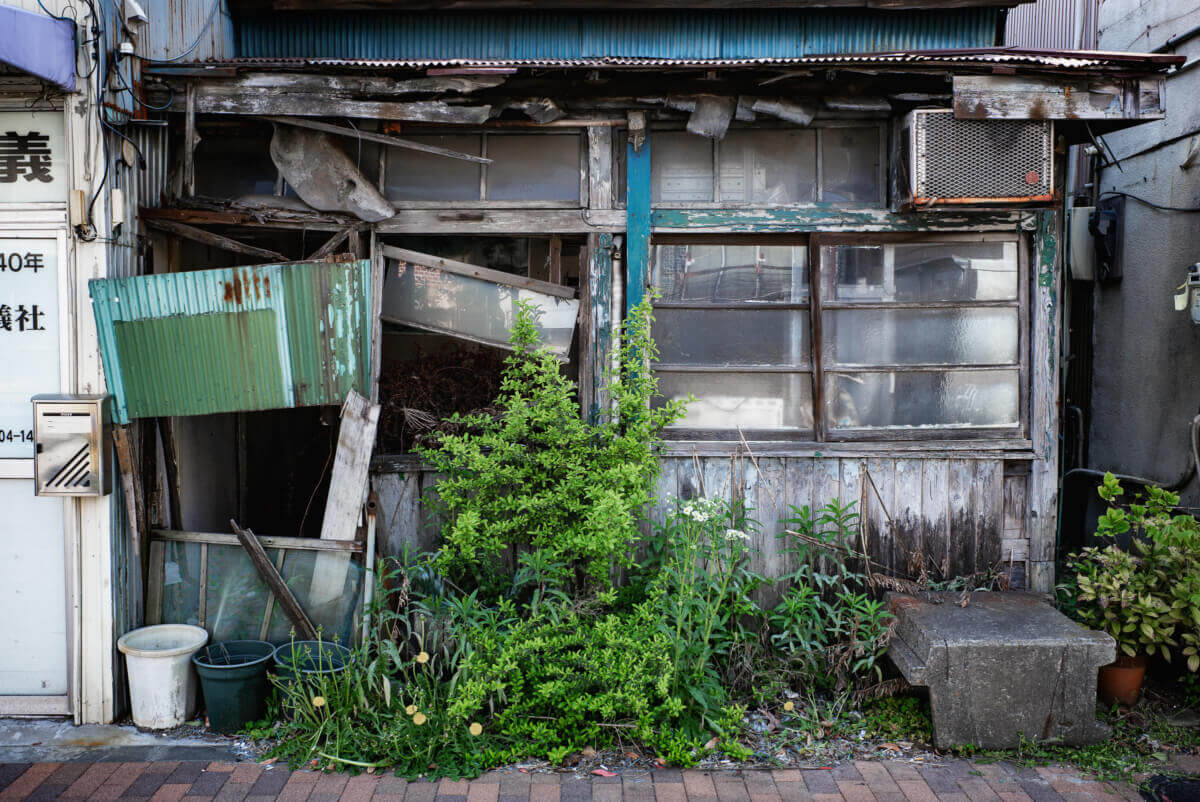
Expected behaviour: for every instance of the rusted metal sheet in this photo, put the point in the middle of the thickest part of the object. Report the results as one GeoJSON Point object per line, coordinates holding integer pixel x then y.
{"type": "Point", "coordinates": [1010, 97]}
{"type": "Point", "coordinates": [234, 339]}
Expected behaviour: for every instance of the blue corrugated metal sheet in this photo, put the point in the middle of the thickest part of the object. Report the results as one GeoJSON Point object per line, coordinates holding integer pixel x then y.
{"type": "Point", "coordinates": [233, 339]}
{"type": "Point", "coordinates": [175, 25]}
{"type": "Point", "coordinates": [779, 33]}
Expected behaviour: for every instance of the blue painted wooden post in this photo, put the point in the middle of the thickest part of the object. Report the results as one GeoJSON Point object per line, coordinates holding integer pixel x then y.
{"type": "Point", "coordinates": [637, 227]}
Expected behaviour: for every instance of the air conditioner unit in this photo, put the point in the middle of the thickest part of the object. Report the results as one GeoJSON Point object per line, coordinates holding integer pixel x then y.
{"type": "Point", "coordinates": [953, 162]}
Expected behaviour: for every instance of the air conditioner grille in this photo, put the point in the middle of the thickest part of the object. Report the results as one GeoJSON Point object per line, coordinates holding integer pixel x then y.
{"type": "Point", "coordinates": [982, 158]}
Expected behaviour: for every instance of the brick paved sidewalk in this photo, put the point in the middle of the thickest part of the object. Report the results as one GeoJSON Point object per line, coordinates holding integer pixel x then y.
{"type": "Point", "coordinates": [894, 781]}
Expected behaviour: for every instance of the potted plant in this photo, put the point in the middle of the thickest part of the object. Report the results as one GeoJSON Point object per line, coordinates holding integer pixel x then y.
{"type": "Point", "coordinates": [1147, 596]}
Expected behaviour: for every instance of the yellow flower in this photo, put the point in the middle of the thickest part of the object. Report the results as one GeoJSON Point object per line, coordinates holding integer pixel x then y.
{"type": "Point", "coordinates": [318, 701]}
{"type": "Point", "coordinates": [476, 728]}
{"type": "Point", "coordinates": [423, 658]}
{"type": "Point", "coordinates": [789, 706]}
{"type": "Point", "coordinates": [419, 719]}
{"type": "Point", "coordinates": [410, 709]}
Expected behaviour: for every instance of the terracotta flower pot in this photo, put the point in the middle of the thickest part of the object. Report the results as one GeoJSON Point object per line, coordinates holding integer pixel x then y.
{"type": "Point", "coordinates": [1121, 681]}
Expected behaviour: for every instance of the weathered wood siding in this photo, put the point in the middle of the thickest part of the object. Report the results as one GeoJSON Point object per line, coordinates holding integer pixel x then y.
{"type": "Point", "coordinates": [954, 516]}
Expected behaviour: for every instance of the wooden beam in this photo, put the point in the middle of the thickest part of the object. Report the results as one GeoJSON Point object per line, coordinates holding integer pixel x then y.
{"type": "Point", "coordinates": [348, 482]}
{"type": "Point", "coordinates": [475, 271]}
{"type": "Point", "coordinates": [333, 242]}
{"type": "Point", "coordinates": [814, 219]}
{"type": "Point", "coordinates": [189, 141]}
{"type": "Point", "coordinates": [131, 485]}
{"type": "Point", "coordinates": [166, 432]}
{"type": "Point", "coordinates": [211, 98]}
{"type": "Point", "coordinates": [266, 569]}
{"type": "Point", "coordinates": [637, 203]}
{"type": "Point", "coordinates": [268, 541]}
{"type": "Point", "coordinates": [1019, 97]}
{"type": "Point", "coordinates": [216, 240]}
{"type": "Point", "coordinates": [382, 139]}
{"type": "Point", "coordinates": [556, 260]}
{"type": "Point", "coordinates": [508, 222]}
{"type": "Point", "coordinates": [349, 86]}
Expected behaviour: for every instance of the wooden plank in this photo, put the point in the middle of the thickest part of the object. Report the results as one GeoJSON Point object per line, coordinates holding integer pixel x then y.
{"type": "Point", "coordinates": [690, 476]}
{"type": "Point", "coordinates": [202, 600]}
{"type": "Point", "coordinates": [1024, 97]}
{"type": "Point", "coordinates": [1011, 450]}
{"type": "Point", "coordinates": [189, 142]}
{"type": "Point", "coordinates": [508, 222]}
{"type": "Point", "coordinates": [350, 85]}
{"type": "Point", "coordinates": [266, 569]}
{"type": "Point", "coordinates": [351, 462]}
{"type": "Point", "coordinates": [767, 494]}
{"type": "Point", "coordinates": [638, 221]}
{"type": "Point", "coordinates": [148, 461]}
{"type": "Point", "coordinates": [798, 476]}
{"type": "Point", "coordinates": [601, 323]}
{"type": "Point", "coordinates": [962, 524]}
{"type": "Point", "coordinates": [475, 271]}
{"type": "Point", "coordinates": [219, 99]}
{"type": "Point", "coordinates": [987, 507]}
{"type": "Point", "coordinates": [1044, 409]}
{"type": "Point", "coordinates": [1015, 488]}
{"type": "Point", "coordinates": [907, 516]}
{"type": "Point", "coordinates": [131, 485]}
{"type": "Point", "coordinates": [829, 220]}
{"type": "Point", "coordinates": [331, 244]}
{"type": "Point", "coordinates": [378, 271]}
{"type": "Point", "coordinates": [383, 139]}
{"type": "Point", "coordinates": [166, 432]}
{"type": "Point", "coordinates": [880, 494]}
{"type": "Point", "coordinates": [720, 479]}
{"type": "Point", "coordinates": [269, 609]}
{"type": "Point", "coordinates": [431, 519]}
{"type": "Point", "coordinates": [216, 240]}
{"type": "Point", "coordinates": [556, 274]}
{"type": "Point", "coordinates": [935, 514]}
{"type": "Point", "coordinates": [154, 582]}
{"type": "Point", "coordinates": [269, 541]}
{"type": "Point", "coordinates": [600, 168]}
{"type": "Point", "coordinates": [827, 474]}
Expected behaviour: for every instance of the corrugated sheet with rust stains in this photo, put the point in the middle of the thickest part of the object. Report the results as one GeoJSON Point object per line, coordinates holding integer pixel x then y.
{"type": "Point", "coordinates": [234, 339]}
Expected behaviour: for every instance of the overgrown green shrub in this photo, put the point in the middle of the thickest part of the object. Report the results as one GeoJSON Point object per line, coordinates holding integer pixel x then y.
{"type": "Point", "coordinates": [538, 476]}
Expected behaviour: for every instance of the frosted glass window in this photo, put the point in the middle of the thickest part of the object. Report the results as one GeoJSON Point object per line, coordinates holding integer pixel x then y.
{"type": "Point", "coordinates": [850, 165]}
{"type": "Point", "coordinates": [921, 336]}
{"type": "Point", "coordinates": [717, 274]}
{"type": "Point", "coordinates": [533, 168]}
{"type": "Point", "coordinates": [728, 337]}
{"type": "Point", "coordinates": [769, 167]}
{"type": "Point", "coordinates": [923, 399]}
{"type": "Point", "coordinates": [681, 168]}
{"type": "Point", "coordinates": [942, 271]}
{"type": "Point", "coordinates": [414, 175]}
{"type": "Point", "coordinates": [750, 401]}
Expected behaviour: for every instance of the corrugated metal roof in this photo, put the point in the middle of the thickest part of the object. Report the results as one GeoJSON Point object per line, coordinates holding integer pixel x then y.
{"type": "Point", "coordinates": [234, 339]}
{"type": "Point", "coordinates": [541, 35]}
{"type": "Point", "coordinates": [1066, 60]}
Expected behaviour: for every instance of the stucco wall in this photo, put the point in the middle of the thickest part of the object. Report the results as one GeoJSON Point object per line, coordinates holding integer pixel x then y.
{"type": "Point", "coordinates": [1146, 385]}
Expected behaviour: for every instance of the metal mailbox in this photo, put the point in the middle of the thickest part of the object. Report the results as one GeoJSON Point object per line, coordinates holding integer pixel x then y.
{"type": "Point", "coordinates": [72, 439]}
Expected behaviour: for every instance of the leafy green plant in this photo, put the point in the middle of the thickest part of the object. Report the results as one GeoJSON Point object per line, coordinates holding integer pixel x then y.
{"type": "Point", "coordinates": [536, 476]}
{"type": "Point", "coordinates": [1147, 596]}
{"type": "Point", "coordinates": [826, 624]}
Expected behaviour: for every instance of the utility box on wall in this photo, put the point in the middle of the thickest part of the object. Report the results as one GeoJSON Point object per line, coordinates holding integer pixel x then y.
{"type": "Point", "coordinates": [72, 439]}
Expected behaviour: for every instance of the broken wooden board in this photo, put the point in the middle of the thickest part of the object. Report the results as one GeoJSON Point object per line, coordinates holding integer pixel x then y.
{"type": "Point", "coordinates": [214, 98]}
{"type": "Point", "coordinates": [1011, 97]}
{"type": "Point", "coordinates": [216, 240]}
{"type": "Point", "coordinates": [270, 574]}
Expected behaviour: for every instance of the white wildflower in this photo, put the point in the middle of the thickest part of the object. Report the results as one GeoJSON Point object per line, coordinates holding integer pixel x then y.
{"type": "Point", "coordinates": [736, 534]}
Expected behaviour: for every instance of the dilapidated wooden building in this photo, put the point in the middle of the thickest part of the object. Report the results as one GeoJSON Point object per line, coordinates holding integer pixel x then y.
{"type": "Point", "coordinates": [850, 215]}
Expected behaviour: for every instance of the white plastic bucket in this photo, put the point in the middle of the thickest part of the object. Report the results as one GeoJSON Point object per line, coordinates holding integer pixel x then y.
{"type": "Point", "coordinates": [162, 682]}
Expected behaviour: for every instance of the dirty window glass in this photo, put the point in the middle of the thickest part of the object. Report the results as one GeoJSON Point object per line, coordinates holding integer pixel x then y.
{"type": "Point", "coordinates": [772, 168]}
{"type": "Point", "coordinates": [533, 168]}
{"type": "Point", "coordinates": [681, 167]}
{"type": "Point", "coordinates": [850, 165]}
{"type": "Point", "coordinates": [414, 175]}
{"type": "Point", "coordinates": [729, 273]}
{"type": "Point", "coordinates": [949, 271]}
{"type": "Point", "coordinates": [942, 399]}
{"type": "Point", "coordinates": [747, 401]}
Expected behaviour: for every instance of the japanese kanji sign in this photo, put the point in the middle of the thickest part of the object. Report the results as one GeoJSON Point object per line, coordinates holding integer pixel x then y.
{"type": "Point", "coordinates": [29, 327]}
{"type": "Point", "coordinates": [33, 167]}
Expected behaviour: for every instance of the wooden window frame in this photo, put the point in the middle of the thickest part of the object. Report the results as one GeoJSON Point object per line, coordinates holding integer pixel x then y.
{"type": "Point", "coordinates": [819, 127]}
{"type": "Point", "coordinates": [817, 305]}
{"type": "Point", "coordinates": [482, 202]}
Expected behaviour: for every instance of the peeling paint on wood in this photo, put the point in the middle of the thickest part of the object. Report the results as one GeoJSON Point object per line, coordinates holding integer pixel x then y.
{"type": "Point", "coordinates": [828, 219]}
{"type": "Point", "coordinates": [1011, 97]}
{"type": "Point", "coordinates": [638, 223]}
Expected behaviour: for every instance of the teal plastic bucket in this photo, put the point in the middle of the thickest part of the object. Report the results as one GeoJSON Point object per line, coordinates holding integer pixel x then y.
{"type": "Point", "coordinates": [233, 676]}
{"type": "Point", "coordinates": [309, 659]}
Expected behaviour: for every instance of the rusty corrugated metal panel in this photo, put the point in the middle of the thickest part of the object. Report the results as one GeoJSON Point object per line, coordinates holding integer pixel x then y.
{"type": "Point", "coordinates": [1053, 25]}
{"type": "Point", "coordinates": [234, 339]}
{"type": "Point", "coordinates": [1065, 61]}
{"type": "Point", "coordinates": [690, 34]}
{"type": "Point", "coordinates": [175, 25]}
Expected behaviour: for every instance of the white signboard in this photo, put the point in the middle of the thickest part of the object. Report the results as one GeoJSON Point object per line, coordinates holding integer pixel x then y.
{"type": "Point", "coordinates": [33, 157]}
{"type": "Point", "coordinates": [29, 342]}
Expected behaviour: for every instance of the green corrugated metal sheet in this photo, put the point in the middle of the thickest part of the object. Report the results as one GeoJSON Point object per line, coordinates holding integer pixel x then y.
{"type": "Point", "coordinates": [234, 339]}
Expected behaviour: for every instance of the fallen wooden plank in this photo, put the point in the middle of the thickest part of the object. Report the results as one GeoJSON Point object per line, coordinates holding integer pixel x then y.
{"type": "Point", "coordinates": [382, 139]}
{"type": "Point", "coordinates": [351, 462]}
{"type": "Point", "coordinates": [1012, 97]}
{"type": "Point", "coordinates": [475, 271]}
{"type": "Point", "coordinates": [215, 240]}
{"type": "Point", "coordinates": [270, 574]}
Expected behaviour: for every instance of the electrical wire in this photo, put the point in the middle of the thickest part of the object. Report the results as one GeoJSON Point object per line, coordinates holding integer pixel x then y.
{"type": "Point", "coordinates": [1151, 204]}
{"type": "Point", "coordinates": [212, 14]}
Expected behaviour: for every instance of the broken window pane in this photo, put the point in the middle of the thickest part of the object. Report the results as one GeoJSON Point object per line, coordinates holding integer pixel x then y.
{"type": "Point", "coordinates": [724, 337]}
{"type": "Point", "coordinates": [769, 167]}
{"type": "Point", "coordinates": [850, 165]}
{"type": "Point", "coordinates": [731, 273]}
{"type": "Point", "coordinates": [939, 271]}
{"type": "Point", "coordinates": [414, 175]}
{"type": "Point", "coordinates": [921, 336]}
{"type": "Point", "coordinates": [750, 401]}
{"type": "Point", "coordinates": [681, 168]}
{"type": "Point", "coordinates": [231, 167]}
{"type": "Point", "coordinates": [471, 308]}
{"type": "Point", "coordinates": [533, 167]}
{"type": "Point", "coordinates": [923, 399]}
